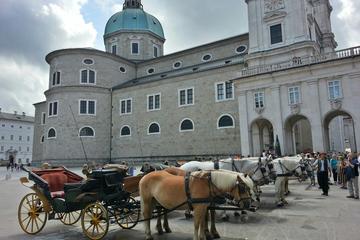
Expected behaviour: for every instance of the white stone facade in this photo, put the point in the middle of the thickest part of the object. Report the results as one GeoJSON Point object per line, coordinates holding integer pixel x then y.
{"type": "Point", "coordinates": [16, 137]}
{"type": "Point", "coordinates": [231, 97]}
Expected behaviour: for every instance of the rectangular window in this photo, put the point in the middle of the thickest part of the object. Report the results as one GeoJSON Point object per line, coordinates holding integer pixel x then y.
{"type": "Point", "coordinates": [11, 137]}
{"type": "Point", "coordinates": [28, 138]}
{"type": "Point", "coordinates": [2, 138]}
{"type": "Point", "coordinates": [276, 34]}
{"type": "Point", "coordinates": [334, 90]}
{"type": "Point", "coordinates": [2, 148]}
{"type": "Point", "coordinates": [154, 102]}
{"type": "Point", "coordinates": [87, 107]}
{"type": "Point", "coordinates": [53, 109]}
{"type": "Point", "coordinates": [156, 51]}
{"type": "Point", "coordinates": [19, 148]}
{"type": "Point", "coordinates": [87, 77]}
{"type": "Point", "coordinates": [56, 78]}
{"type": "Point", "coordinates": [186, 97]}
{"type": "Point", "coordinates": [28, 149]}
{"type": "Point", "coordinates": [125, 106]}
{"type": "Point", "coordinates": [134, 48]}
{"type": "Point", "coordinates": [224, 91]}
{"type": "Point", "coordinates": [43, 117]}
{"type": "Point", "coordinates": [114, 49]}
{"type": "Point", "coordinates": [259, 99]}
{"type": "Point", "coordinates": [294, 95]}
{"type": "Point", "coordinates": [20, 138]}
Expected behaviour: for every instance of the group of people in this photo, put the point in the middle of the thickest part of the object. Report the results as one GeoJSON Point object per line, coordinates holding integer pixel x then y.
{"type": "Point", "coordinates": [343, 168]}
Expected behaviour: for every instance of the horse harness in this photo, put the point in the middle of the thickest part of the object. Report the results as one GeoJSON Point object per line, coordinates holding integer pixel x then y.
{"type": "Point", "coordinates": [260, 166]}
{"type": "Point", "coordinates": [288, 172]}
{"type": "Point", "coordinates": [213, 198]}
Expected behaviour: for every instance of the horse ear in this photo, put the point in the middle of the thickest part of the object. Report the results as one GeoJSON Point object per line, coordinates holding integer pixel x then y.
{"type": "Point", "coordinates": [245, 175]}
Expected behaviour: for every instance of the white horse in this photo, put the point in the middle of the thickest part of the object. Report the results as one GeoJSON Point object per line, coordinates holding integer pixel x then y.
{"type": "Point", "coordinates": [257, 169]}
{"type": "Point", "coordinates": [285, 168]}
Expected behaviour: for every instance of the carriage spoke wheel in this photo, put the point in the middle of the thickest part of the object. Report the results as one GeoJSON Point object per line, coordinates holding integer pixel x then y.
{"type": "Point", "coordinates": [31, 215]}
{"type": "Point", "coordinates": [128, 217]}
{"type": "Point", "coordinates": [95, 221]}
{"type": "Point", "coordinates": [70, 218]}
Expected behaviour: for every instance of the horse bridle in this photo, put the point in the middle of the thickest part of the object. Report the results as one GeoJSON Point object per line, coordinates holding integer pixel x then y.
{"type": "Point", "coordinates": [292, 172]}
{"type": "Point", "coordinates": [260, 166]}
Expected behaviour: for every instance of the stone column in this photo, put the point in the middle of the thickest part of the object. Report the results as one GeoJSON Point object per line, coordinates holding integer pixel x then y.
{"type": "Point", "coordinates": [277, 117]}
{"type": "Point", "coordinates": [317, 128]}
{"type": "Point", "coordinates": [244, 124]}
{"type": "Point", "coordinates": [356, 121]}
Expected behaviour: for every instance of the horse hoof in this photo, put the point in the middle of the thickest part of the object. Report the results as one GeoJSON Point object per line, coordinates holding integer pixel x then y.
{"type": "Point", "coordinates": [216, 235]}
{"type": "Point", "coordinates": [236, 214]}
{"type": "Point", "coordinates": [281, 204]}
{"type": "Point", "coordinates": [208, 236]}
{"type": "Point", "coordinates": [168, 230]}
{"type": "Point", "coordinates": [225, 218]}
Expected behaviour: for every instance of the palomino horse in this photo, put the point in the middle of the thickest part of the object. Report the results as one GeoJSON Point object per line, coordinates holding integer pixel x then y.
{"type": "Point", "coordinates": [170, 192]}
{"type": "Point", "coordinates": [213, 233]}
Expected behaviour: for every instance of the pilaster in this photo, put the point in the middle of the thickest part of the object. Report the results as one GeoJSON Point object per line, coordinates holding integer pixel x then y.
{"type": "Point", "coordinates": [244, 124]}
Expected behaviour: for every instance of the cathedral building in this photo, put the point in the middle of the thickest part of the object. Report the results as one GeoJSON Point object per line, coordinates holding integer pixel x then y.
{"type": "Point", "coordinates": [283, 82]}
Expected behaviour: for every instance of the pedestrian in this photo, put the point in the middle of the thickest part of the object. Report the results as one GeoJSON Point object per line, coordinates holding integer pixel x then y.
{"type": "Point", "coordinates": [352, 173]}
{"type": "Point", "coordinates": [342, 176]}
{"type": "Point", "coordinates": [334, 167]}
{"type": "Point", "coordinates": [324, 171]}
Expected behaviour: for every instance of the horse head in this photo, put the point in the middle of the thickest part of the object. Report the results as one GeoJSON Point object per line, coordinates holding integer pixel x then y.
{"type": "Point", "coordinates": [235, 186]}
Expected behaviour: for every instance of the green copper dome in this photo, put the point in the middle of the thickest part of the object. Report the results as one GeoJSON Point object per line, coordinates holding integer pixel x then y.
{"type": "Point", "coordinates": [134, 19]}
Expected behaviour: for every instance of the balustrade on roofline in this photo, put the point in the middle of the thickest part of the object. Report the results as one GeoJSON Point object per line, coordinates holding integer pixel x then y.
{"type": "Point", "coordinates": [300, 61]}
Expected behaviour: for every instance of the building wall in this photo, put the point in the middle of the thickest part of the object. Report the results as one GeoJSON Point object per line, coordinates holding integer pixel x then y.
{"type": "Point", "coordinates": [21, 141]}
{"type": "Point", "coordinates": [206, 139]}
{"type": "Point", "coordinates": [315, 104]}
{"type": "Point", "coordinates": [41, 115]}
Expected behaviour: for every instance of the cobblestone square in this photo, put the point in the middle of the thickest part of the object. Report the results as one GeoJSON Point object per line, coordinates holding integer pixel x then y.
{"type": "Point", "coordinates": [308, 216]}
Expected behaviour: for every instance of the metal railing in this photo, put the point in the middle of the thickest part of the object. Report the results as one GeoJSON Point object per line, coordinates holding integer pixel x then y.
{"type": "Point", "coordinates": [300, 61]}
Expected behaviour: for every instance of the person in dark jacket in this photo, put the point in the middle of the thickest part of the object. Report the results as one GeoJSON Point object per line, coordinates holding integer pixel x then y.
{"type": "Point", "coordinates": [353, 176]}
{"type": "Point", "coordinates": [324, 172]}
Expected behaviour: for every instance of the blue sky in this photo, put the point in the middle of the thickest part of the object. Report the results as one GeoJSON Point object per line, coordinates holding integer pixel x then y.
{"type": "Point", "coordinates": [30, 29]}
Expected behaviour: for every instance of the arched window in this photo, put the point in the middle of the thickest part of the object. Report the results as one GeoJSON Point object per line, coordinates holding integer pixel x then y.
{"type": "Point", "coordinates": [52, 133]}
{"type": "Point", "coordinates": [186, 125]}
{"type": "Point", "coordinates": [226, 121]}
{"type": "Point", "coordinates": [154, 128]}
{"type": "Point", "coordinates": [125, 131]}
{"type": "Point", "coordinates": [87, 132]}
{"type": "Point", "coordinates": [87, 76]}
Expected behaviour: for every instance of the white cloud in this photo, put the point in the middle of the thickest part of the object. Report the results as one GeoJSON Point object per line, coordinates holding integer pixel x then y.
{"type": "Point", "coordinates": [43, 27]}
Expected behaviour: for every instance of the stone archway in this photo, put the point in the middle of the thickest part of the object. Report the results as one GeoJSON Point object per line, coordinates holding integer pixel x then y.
{"type": "Point", "coordinates": [339, 131]}
{"type": "Point", "coordinates": [262, 136]}
{"type": "Point", "coordinates": [298, 135]}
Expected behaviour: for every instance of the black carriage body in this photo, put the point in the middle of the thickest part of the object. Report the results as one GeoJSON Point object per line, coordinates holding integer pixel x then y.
{"type": "Point", "coordinates": [103, 186]}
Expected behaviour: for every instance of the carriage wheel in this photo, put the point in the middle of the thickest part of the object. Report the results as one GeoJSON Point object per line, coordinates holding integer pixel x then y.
{"type": "Point", "coordinates": [31, 215]}
{"type": "Point", "coordinates": [129, 216]}
{"type": "Point", "coordinates": [70, 218]}
{"type": "Point", "coordinates": [95, 221]}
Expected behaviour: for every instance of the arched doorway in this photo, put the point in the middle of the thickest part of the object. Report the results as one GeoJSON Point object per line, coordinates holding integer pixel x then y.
{"type": "Point", "coordinates": [262, 136]}
{"type": "Point", "coordinates": [298, 135]}
{"type": "Point", "coordinates": [339, 132]}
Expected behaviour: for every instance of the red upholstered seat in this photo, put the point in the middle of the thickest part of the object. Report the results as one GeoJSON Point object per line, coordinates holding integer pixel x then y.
{"type": "Point", "coordinates": [56, 181]}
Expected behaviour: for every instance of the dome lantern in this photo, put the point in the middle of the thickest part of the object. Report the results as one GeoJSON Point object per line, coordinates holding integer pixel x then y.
{"type": "Point", "coordinates": [132, 4]}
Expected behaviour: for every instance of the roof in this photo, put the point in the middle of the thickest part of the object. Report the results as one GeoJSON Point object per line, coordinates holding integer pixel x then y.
{"type": "Point", "coordinates": [134, 19]}
{"type": "Point", "coordinates": [17, 117]}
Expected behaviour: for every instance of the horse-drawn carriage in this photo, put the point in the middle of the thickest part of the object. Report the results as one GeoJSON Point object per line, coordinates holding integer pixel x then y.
{"type": "Point", "coordinates": [59, 194]}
